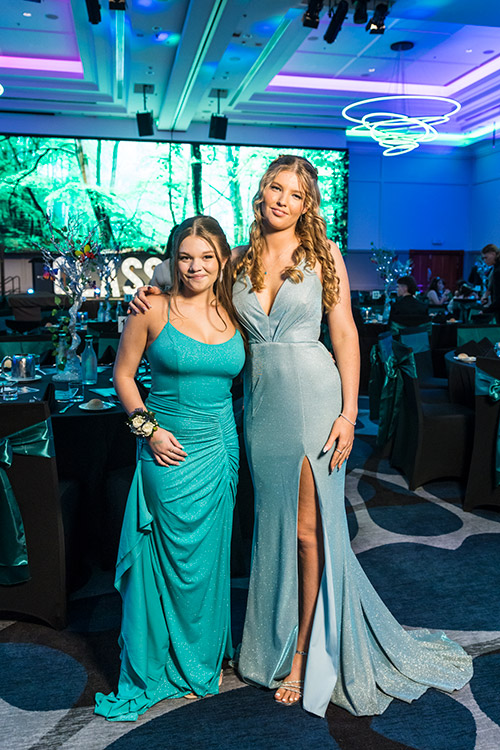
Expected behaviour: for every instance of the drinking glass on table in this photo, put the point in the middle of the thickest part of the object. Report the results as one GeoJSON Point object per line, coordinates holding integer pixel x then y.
{"type": "Point", "coordinates": [9, 391]}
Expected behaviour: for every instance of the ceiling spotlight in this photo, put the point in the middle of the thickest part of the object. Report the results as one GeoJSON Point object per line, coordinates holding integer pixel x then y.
{"type": "Point", "coordinates": [336, 23]}
{"type": "Point", "coordinates": [145, 122]}
{"type": "Point", "coordinates": [360, 13]}
{"type": "Point", "coordinates": [94, 11]}
{"type": "Point", "coordinates": [310, 18]}
{"type": "Point", "coordinates": [376, 25]}
{"type": "Point", "coordinates": [218, 122]}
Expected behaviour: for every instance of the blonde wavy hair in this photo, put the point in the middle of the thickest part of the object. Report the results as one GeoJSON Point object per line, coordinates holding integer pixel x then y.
{"type": "Point", "coordinates": [211, 231]}
{"type": "Point", "coordinates": [310, 231]}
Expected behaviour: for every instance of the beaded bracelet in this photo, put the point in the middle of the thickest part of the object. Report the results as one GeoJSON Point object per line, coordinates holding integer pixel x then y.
{"type": "Point", "coordinates": [142, 423]}
{"type": "Point", "coordinates": [347, 420]}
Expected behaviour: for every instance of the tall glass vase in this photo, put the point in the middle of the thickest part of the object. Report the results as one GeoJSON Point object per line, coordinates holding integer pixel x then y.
{"type": "Point", "coordinates": [387, 303]}
{"type": "Point", "coordinates": [72, 369]}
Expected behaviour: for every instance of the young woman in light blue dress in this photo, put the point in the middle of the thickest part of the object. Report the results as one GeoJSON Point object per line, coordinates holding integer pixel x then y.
{"type": "Point", "coordinates": [314, 625]}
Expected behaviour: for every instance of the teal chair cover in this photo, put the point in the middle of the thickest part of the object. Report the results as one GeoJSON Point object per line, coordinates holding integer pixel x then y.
{"type": "Point", "coordinates": [392, 392]}
{"type": "Point", "coordinates": [32, 441]}
{"type": "Point", "coordinates": [419, 342]}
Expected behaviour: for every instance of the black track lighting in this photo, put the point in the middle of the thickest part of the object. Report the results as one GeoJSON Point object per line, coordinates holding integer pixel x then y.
{"type": "Point", "coordinates": [336, 23]}
{"type": "Point", "coordinates": [376, 25]}
{"type": "Point", "coordinates": [145, 122]}
{"type": "Point", "coordinates": [310, 19]}
{"type": "Point", "coordinates": [93, 11]}
{"type": "Point", "coordinates": [218, 123]}
{"type": "Point", "coordinates": [360, 12]}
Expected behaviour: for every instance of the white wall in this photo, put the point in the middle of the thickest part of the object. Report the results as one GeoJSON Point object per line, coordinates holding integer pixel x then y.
{"type": "Point", "coordinates": [416, 201]}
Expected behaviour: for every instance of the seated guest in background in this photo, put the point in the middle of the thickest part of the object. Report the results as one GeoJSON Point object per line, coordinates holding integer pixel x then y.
{"type": "Point", "coordinates": [491, 256]}
{"type": "Point", "coordinates": [437, 294]}
{"type": "Point", "coordinates": [463, 292]}
{"type": "Point", "coordinates": [406, 310]}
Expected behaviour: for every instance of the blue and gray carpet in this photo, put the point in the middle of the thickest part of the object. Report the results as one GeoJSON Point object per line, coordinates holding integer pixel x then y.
{"type": "Point", "coordinates": [434, 565]}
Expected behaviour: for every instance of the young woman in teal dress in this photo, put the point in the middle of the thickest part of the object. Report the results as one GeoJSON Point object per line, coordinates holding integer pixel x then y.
{"type": "Point", "coordinates": [314, 627]}
{"type": "Point", "coordinates": [173, 561]}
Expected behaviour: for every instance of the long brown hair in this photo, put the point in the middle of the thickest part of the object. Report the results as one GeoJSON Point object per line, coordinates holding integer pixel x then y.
{"type": "Point", "coordinates": [310, 231]}
{"type": "Point", "coordinates": [210, 230]}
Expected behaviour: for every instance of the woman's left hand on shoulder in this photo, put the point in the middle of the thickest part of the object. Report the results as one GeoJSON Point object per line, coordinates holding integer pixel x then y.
{"type": "Point", "coordinates": [341, 439]}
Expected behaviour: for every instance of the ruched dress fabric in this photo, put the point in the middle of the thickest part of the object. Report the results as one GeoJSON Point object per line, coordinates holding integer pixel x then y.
{"type": "Point", "coordinates": [359, 656]}
{"type": "Point", "coordinates": [173, 561]}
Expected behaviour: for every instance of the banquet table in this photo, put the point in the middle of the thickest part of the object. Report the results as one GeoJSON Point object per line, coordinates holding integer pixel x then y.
{"type": "Point", "coordinates": [481, 486]}
{"type": "Point", "coordinates": [96, 449]}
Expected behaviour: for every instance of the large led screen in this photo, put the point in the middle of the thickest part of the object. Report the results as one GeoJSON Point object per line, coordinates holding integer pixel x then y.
{"type": "Point", "coordinates": [138, 190]}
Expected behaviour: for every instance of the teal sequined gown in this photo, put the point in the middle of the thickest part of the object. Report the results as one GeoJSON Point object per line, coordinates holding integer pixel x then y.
{"type": "Point", "coordinates": [359, 656]}
{"type": "Point", "coordinates": [173, 561]}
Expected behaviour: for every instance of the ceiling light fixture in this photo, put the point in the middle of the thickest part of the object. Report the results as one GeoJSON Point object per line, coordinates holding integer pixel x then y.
{"type": "Point", "coordinates": [360, 12]}
{"type": "Point", "coordinates": [93, 11]}
{"type": "Point", "coordinates": [145, 122]}
{"type": "Point", "coordinates": [337, 19]}
{"type": "Point", "coordinates": [218, 123]}
{"type": "Point", "coordinates": [397, 132]}
{"type": "Point", "coordinates": [376, 25]}
{"type": "Point", "coordinates": [310, 19]}
{"type": "Point", "coordinates": [394, 127]}
{"type": "Point", "coordinates": [119, 53]}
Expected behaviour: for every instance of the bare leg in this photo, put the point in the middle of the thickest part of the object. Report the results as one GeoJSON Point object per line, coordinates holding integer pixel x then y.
{"type": "Point", "coordinates": [311, 561]}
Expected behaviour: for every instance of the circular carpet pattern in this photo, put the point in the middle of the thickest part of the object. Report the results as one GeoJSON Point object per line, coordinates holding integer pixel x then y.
{"type": "Point", "coordinates": [434, 722]}
{"type": "Point", "coordinates": [439, 588]}
{"type": "Point", "coordinates": [38, 678]}
{"type": "Point", "coordinates": [422, 519]}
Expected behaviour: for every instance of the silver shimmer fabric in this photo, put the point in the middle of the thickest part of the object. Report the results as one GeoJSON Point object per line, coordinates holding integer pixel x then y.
{"type": "Point", "coordinates": [359, 656]}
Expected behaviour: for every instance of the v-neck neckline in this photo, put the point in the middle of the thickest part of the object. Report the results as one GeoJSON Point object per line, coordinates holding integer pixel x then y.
{"type": "Point", "coordinates": [268, 315]}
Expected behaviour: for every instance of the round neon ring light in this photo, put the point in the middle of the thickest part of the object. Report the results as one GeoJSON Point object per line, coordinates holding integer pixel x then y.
{"type": "Point", "coordinates": [396, 132]}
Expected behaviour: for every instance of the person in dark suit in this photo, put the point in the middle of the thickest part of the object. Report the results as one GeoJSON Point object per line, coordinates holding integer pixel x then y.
{"type": "Point", "coordinates": [407, 310]}
{"type": "Point", "coordinates": [491, 256]}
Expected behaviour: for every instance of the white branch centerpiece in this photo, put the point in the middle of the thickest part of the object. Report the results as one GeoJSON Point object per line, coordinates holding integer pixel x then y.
{"type": "Point", "coordinates": [389, 269]}
{"type": "Point", "coordinates": [74, 256]}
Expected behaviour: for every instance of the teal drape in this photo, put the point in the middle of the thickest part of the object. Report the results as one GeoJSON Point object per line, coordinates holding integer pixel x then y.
{"type": "Point", "coordinates": [32, 441]}
{"type": "Point", "coordinates": [487, 385]}
{"type": "Point", "coordinates": [392, 393]}
{"type": "Point", "coordinates": [376, 382]}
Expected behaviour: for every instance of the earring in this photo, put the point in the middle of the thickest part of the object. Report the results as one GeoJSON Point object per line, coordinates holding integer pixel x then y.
{"type": "Point", "coordinates": [221, 275]}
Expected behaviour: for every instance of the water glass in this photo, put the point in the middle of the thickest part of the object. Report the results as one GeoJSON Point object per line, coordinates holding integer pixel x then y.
{"type": "Point", "coordinates": [75, 390]}
{"type": "Point", "coordinates": [9, 391]}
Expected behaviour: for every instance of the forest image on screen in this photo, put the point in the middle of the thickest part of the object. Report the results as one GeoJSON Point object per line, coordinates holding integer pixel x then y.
{"type": "Point", "coordinates": [138, 190]}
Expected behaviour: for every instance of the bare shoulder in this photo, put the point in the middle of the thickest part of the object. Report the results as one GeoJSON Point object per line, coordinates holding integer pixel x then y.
{"type": "Point", "coordinates": [157, 311]}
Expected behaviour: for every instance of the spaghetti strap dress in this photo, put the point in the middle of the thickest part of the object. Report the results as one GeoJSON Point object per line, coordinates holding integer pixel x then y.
{"type": "Point", "coordinates": [173, 560]}
{"type": "Point", "coordinates": [359, 657]}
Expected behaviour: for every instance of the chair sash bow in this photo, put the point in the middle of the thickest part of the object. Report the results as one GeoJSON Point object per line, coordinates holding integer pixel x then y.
{"type": "Point", "coordinates": [487, 385]}
{"type": "Point", "coordinates": [35, 440]}
{"type": "Point", "coordinates": [392, 393]}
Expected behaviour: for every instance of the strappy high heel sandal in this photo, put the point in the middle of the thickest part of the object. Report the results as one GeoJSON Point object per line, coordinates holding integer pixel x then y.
{"type": "Point", "coordinates": [293, 686]}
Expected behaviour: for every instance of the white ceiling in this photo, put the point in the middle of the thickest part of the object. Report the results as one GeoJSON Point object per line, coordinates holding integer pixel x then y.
{"type": "Point", "coordinates": [187, 49]}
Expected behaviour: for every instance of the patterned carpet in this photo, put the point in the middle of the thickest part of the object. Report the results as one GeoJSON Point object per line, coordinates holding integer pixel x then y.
{"type": "Point", "coordinates": [434, 566]}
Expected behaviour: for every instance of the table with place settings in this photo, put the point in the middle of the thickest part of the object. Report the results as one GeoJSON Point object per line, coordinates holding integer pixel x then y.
{"type": "Point", "coordinates": [96, 449]}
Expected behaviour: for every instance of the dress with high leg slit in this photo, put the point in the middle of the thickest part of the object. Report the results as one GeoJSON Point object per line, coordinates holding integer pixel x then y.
{"type": "Point", "coordinates": [173, 562]}
{"type": "Point", "coordinates": [359, 656]}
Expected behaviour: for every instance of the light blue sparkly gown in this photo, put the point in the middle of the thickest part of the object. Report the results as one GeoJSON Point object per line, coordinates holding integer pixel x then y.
{"type": "Point", "coordinates": [359, 656]}
{"type": "Point", "coordinates": [173, 561]}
